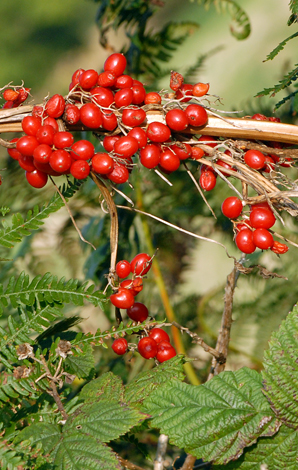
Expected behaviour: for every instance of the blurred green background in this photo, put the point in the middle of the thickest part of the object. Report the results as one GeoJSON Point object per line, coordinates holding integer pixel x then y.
{"type": "Point", "coordinates": [43, 43]}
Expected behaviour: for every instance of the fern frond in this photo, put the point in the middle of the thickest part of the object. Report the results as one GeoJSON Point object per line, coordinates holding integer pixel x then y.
{"type": "Point", "coordinates": [294, 9]}
{"type": "Point", "coordinates": [240, 27]}
{"type": "Point", "coordinates": [9, 460]}
{"type": "Point", "coordinates": [282, 84]}
{"type": "Point", "coordinates": [280, 47]}
{"type": "Point", "coordinates": [20, 228]}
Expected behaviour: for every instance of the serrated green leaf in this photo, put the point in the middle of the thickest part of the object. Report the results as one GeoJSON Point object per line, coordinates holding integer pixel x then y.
{"type": "Point", "coordinates": [105, 419]}
{"type": "Point", "coordinates": [282, 84]}
{"type": "Point", "coordinates": [45, 435]}
{"type": "Point", "coordinates": [146, 382]}
{"type": "Point", "coordinates": [214, 421]}
{"type": "Point", "coordinates": [280, 47]}
{"type": "Point", "coordinates": [106, 386]}
{"type": "Point", "coordinates": [274, 453]}
{"type": "Point", "coordinates": [78, 451]}
{"type": "Point", "coordinates": [281, 370]}
{"type": "Point", "coordinates": [81, 363]}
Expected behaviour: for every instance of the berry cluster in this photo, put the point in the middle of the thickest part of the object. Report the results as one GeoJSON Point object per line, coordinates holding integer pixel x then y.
{"type": "Point", "coordinates": [15, 96]}
{"type": "Point", "coordinates": [253, 232]}
{"type": "Point", "coordinates": [156, 345]}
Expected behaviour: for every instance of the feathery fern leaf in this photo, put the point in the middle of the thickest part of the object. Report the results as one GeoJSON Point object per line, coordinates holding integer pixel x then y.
{"type": "Point", "coordinates": [294, 9]}
{"type": "Point", "coordinates": [282, 84]}
{"type": "Point", "coordinates": [9, 460]}
{"type": "Point", "coordinates": [21, 228]}
{"type": "Point", "coordinates": [280, 47]}
{"type": "Point", "coordinates": [240, 27]}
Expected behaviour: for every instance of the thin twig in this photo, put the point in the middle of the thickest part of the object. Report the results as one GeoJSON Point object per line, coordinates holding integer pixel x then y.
{"type": "Point", "coordinates": [129, 465]}
{"type": "Point", "coordinates": [71, 216]}
{"type": "Point", "coordinates": [161, 452]}
{"type": "Point", "coordinates": [189, 462]}
{"type": "Point", "coordinates": [54, 392]}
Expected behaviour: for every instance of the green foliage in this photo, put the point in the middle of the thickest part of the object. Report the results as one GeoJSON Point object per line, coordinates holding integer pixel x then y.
{"type": "Point", "coordinates": [240, 27]}
{"type": "Point", "coordinates": [293, 4]}
{"type": "Point", "coordinates": [217, 420]}
{"type": "Point", "coordinates": [21, 228]}
{"type": "Point", "coordinates": [9, 460]}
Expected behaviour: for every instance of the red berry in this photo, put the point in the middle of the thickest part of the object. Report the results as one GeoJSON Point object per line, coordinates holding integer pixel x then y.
{"type": "Point", "coordinates": [152, 98]}
{"type": "Point", "coordinates": [102, 163]}
{"type": "Point", "coordinates": [133, 117]}
{"type": "Point", "coordinates": [150, 156]}
{"type": "Point", "coordinates": [122, 299]}
{"type": "Point", "coordinates": [169, 161]}
{"type": "Point", "coordinates": [49, 121]}
{"type": "Point", "coordinates": [140, 135]}
{"type": "Point", "coordinates": [63, 140]}
{"type": "Point", "coordinates": [106, 79]}
{"type": "Point", "coordinates": [279, 248]}
{"type": "Point", "coordinates": [123, 269]}
{"type": "Point", "coordinates": [126, 146]}
{"type": "Point", "coordinates": [91, 116]}
{"type": "Point", "coordinates": [60, 160]}
{"type": "Point", "coordinates": [124, 81]}
{"type": "Point", "coordinates": [197, 153]}
{"type": "Point", "coordinates": [45, 135]}
{"type": "Point", "coordinates": [31, 124]}
{"type": "Point", "coordinates": [200, 89]}
{"type": "Point", "coordinates": [232, 207]}
{"type": "Point", "coordinates": [205, 139]}
{"type": "Point", "coordinates": [263, 239]}
{"type": "Point", "coordinates": [80, 169]}
{"type": "Point", "coordinates": [262, 218]}
{"type": "Point", "coordinates": [244, 241]}
{"type": "Point", "coordinates": [165, 354]}
{"type": "Point", "coordinates": [103, 96]}
{"type": "Point", "coordinates": [37, 178]}
{"type": "Point", "coordinates": [82, 150]}
{"type": "Point", "coordinates": [224, 165]}
{"type": "Point", "coordinates": [254, 159]}
{"type": "Point", "coordinates": [109, 120]}
{"type": "Point", "coordinates": [138, 312]}
{"type": "Point", "coordinates": [185, 91]}
{"type": "Point", "coordinates": [71, 114]}
{"type": "Point", "coordinates": [196, 115]}
{"type": "Point", "coordinates": [120, 346]}
{"type": "Point", "coordinates": [158, 132]}
{"type": "Point", "coordinates": [138, 94]}
{"type": "Point", "coordinates": [14, 153]}
{"type": "Point", "coordinates": [259, 117]}
{"type": "Point", "coordinates": [26, 163]}
{"type": "Point", "coordinates": [109, 141]}
{"type": "Point", "coordinates": [159, 335]}
{"type": "Point", "coordinates": [10, 95]}
{"type": "Point", "coordinates": [147, 347]}
{"type": "Point", "coordinates": [76, 76]}
{"type": "Point", "coordinates": [55, 106]}
{"type": "Point", "coordinates": [207, 180]}
{"type": "Point", "coordinates": [88, 79]}
{"type": "Point", "coordinates": [115, 63]}
{"type": "Point", "coordinates": [183, 151]}
{"type": "Point", "coordinates": [176, 119]}
{"type": "Point", "coordinates": [119, 174]}
{"type": "Point", "coordinates": [134, 285]}
{"type": "Point", "coordinates": [27, 144]}
{"type": "Point", "coordinates": [42, 153]}
{"type": "Point", "coordinates": [176, 80]}
{"type": "Point", "coordinates": [141, 264]}
{"type": "Point", "coordinates": [123, 97]}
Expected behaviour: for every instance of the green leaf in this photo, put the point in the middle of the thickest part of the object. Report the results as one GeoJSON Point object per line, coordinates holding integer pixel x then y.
{"type": "Point", "coordinates": [105, 419]}
{"type": "Point", "coordinates": [44, 434]}
{"type": "Point", "coordinates": [214, 421]}
{"type": "Point", "coordinates": [294, 9]}
{"type": "Point", "coordinates": [276, 453]}
{"type": "Point", "coordinates": [240, 27]}
{"type": "Point", "coordinates": [281, 370]}
{"type": "Point", "coordinates": [9, 460]}
{"type": "Point", "coordinates": [78, 451]}
{"type": "Point", "coordinates": [81, 363]}
{"type": "Point", "coordinates": [146, 382]}
{"type": "Point", "coordinates": [282, 84]}
{"type": "Point", "coordinates": [280, 47]}
{"type": "Point", "coordinates": [107, 386]}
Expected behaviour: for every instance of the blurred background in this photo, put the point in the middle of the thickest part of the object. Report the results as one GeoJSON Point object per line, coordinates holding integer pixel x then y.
{"type": "Point", "coordinates": [43, 45]}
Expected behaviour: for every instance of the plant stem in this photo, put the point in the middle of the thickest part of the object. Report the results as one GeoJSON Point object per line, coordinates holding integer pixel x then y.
{"type": "Point", "coordinates": [129, 465]}
{"type": "Point", "coordinates": [54, 393]}
{"type": "Point", "coordinates": [160, 452]}
{"type": "Point", "coordinates": [189, 462]}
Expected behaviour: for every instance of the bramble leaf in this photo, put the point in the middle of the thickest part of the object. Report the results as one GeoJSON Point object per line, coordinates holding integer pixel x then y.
{"type": "Point", "coordinates": [214, 421]}
{"type": "Point", "coordinates": [44, 434]}
{"type": "Point", "coordinates": [81, 362]}
{"type": "Point", "coordinates": [109, 384]}
{"type": "Point", "coordinates": [281, 370]}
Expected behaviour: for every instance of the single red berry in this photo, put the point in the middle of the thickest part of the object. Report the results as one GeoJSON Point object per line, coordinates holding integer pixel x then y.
{"type": "Point", "coordinates": [123, 97]}
{"type": "Point", "coordinates": [150, 156]}
{"type": "Point", "coordinates": [141, 264]}
{"type": "Point", "coordinates": [60, 160]}
{"type": "Point", "coordinates": [23, 94]}
{"type": "Point", "coordinates": [120, 346]}
{"type": "Point", "coordinates": [262, 218]}
{"type": "Point", "coordinates": [91, 116]}
{"type": "Point", "coordinates": [109, 120]}
{"type": "Point", "coordinates": [45, 167]}
{"type": "Point", "coordinates": [244, 241]}
{"type": "Point", "coordinates": [71, 114]}
{"type": "Point", "coordinates": [82, 150]}
{"type": "Point", "coordinates": [102, 163]}
{"type": "Point", "coordinates": [182, 150]}
{"type": "Point", "coordinates": [37, 178]}
{"type": "Point", "coordinates": [200, 89]}
{"type": "Point", "coordinates": [259, 117]}
{"type": "Point", "coordinates": [158, 132]}
{"type": "Point", "coordinates": [134, 285]}
{"type": "Point", "coordinates": [124, 81]}
{"type": "Point", "coordinates": [76, 76]}
{"type": "Point", "coordinates": [102, 96]}
{"type": "Point", "coordinates": [254, 159]}
{"type": "Point", "coordinates": [31, 124]}
{"type": "Point", "coordinates": [123, 269]}
{"type": "Point", "coordinates": [27, 144]}
{"type": "Point", "coordinates": [119, 174]}
{"type": "Point", "coordinates": [109, 142]}
{"type": "Point", "coordinates": [165, 354]}
{"type": "Point", "coordinates": [263, 239]}
{"type": "Point", "coordinates": [42, 153]}
{"type": "Point", "coordinates": [279, 248]}
{"type": "Point", "coordinates": [49, 121]}
{"type": "Point", "coordinates": [207, 180]}
{"type": "Point", "coordinates": [196, 115]}
{"type": "Point", "coordinates": [55, 106]}
{"type": "Point", "coordinates": [197, 153]}
{"type": "Point", "coordinates": [123, 298]}
{"type": "Point", "coordinates": [133, 117]}
{"type": "Point", "coordinates": [63, 140]}
{"type": "Point", "coordinates": [14, 153]}
{"type": "Point", "coordinates": [169, 161]}
{"type": "Point", "coordinates": [140, 135]}
{"type": "Point", "coordinates": [126, 146]}
{"type": "Point", "coordinates": [26, 163]}
{"type": "Point", "coordinates": [147, 347]}
{"type": "Point", "coordinates": [45, 135]}
{"type": "Point", "coordinates": [176, 119]}
{"type": "Point", "coordinates": [159, 335]}
{"type": "Point", "coordinates": [10, 95]}
{"type": "Point", "coordinates": [106, 79]}
{"type": "Point", "coordinates": [232, 207]}
{"type": "Point", "coordinates": [138, 94]}
{"type": "Point", "coordinates": [152, 98]}
{"type": "Point", "coordinates": [80, 169]}
{"type": "Point", "coordinates": [261, 205]}
{"type": "Point", "coordinates": [176, 80]}
{"type": "Point", "coordinates": [115, 63]}
{"type": "Point", "coordinates": [164, 345]}
{"type": "Point", "coordinates": [88, 79]}
{"type": "Point", "coordinates": [138, 312]}
{"type": "Point", "coordinates": [185, 92]}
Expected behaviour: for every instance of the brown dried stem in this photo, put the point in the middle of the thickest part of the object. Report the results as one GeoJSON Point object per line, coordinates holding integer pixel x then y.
{"type": "Point", "coordinates": [54, 391]}
{"type": "Point", "coordinates": [129, 465]}
{"type": "Point", "coordinates": [189, 462]}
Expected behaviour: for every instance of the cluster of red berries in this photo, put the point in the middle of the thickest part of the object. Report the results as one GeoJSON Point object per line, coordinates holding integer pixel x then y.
{"type": "Point", "coordinates": [14, 97]}
{"type": "Point", "coordinates": [106, 101]}
{"type": "Point", "coordinates": [253, 232]}
{"type": "Point", "coordinates": [156, 345]}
